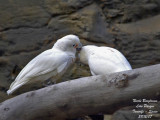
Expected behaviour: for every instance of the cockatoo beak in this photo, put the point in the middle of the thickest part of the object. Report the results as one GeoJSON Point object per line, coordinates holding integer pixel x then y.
{"type": "Point", "coordinates": [79, 47]}
{"type": "Point", "coordinates": [76, 46]}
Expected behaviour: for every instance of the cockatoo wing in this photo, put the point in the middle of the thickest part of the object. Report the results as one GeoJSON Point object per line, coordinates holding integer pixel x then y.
{"type": "Point", "coordinates": [117, 57]}
{"type": "Point", "coordinates": [100, 66]}
{"type": "Point", "coordinates": [49, 61]}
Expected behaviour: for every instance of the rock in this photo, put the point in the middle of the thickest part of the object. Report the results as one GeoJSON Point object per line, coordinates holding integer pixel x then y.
{"type": "Point", "coordinates": [140, 49]}
{"type": "Point", "coordinates": [142, 26]}
{"type": "Point", "coordinates": [107, 117]}
{"type": "Point", "coordinates": [16, 14]}
{"type": "Point", "coordinates": [29, 39]}
{"type": "Point", "coordinates": [88, 23]}
{"type": "Point", "coordinates": [62, 7]}
{"type": "Point", "coordinates": [113, 13]}
{"type": "Point", "coordinates": [151, 6]}
{"type": "Point", "coordinates": [129, 10]}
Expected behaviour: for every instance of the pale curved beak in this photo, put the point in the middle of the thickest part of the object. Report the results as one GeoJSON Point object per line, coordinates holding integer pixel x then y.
{"type": "Point", "coordinates": [79, 47]}
{"type": "Point", "coordinates": [76, 46]}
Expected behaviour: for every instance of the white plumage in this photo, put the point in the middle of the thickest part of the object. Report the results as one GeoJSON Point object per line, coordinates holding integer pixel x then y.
{"type": "Point", "coordinates": [103, 60]}
{"type": "Point", "coordinates": [50, 63]}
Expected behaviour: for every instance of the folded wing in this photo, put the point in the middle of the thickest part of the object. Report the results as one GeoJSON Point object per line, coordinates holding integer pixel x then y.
{"type": "Point", "coordinates": [50, 62]}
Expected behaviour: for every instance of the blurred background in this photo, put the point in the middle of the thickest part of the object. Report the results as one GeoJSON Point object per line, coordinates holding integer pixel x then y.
{"type": "Point", "coordinates": [28, 27]}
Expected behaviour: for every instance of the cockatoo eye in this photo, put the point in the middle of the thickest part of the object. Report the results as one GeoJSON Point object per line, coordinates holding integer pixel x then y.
{"type": "Point", "coordinates": [75, 45]}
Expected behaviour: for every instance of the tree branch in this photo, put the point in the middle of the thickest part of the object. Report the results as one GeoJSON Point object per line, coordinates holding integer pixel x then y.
{"type": "Point", "coordinates": [84, 96]}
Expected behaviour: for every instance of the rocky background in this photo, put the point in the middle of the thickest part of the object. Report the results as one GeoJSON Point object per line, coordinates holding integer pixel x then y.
{"type": "Point", "coordinates": [28, 27]}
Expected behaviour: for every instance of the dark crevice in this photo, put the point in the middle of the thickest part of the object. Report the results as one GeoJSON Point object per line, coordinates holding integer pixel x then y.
{"type": "Point", "coordinates": [3, 89]}
{"type": "Point", "coordinates": [2, 52]}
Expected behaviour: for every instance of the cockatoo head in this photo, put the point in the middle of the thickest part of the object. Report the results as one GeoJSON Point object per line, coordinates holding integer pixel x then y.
{"type": "Point", "coordinates": [68, 43]}
{"type": "Point", "coordinates": [85, 53]}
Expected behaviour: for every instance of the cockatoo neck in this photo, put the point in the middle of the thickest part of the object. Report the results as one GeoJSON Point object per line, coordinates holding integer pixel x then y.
{"type": "Point", "coordinates": [71, 53]}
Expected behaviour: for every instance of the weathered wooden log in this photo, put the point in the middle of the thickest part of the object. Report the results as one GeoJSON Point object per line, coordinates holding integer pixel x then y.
{"type": "Point", "coordinates": [84, 96]}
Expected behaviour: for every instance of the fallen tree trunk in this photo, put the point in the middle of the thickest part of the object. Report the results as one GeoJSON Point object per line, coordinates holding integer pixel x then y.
{"type": "Point", "coordinates": [84, 96]}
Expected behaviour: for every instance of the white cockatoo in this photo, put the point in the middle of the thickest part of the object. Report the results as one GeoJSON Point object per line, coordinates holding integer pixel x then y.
{"type": "Point", "coordinates": [50, 63]}
{"type": "Point", "coordinates": [103, 60]}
